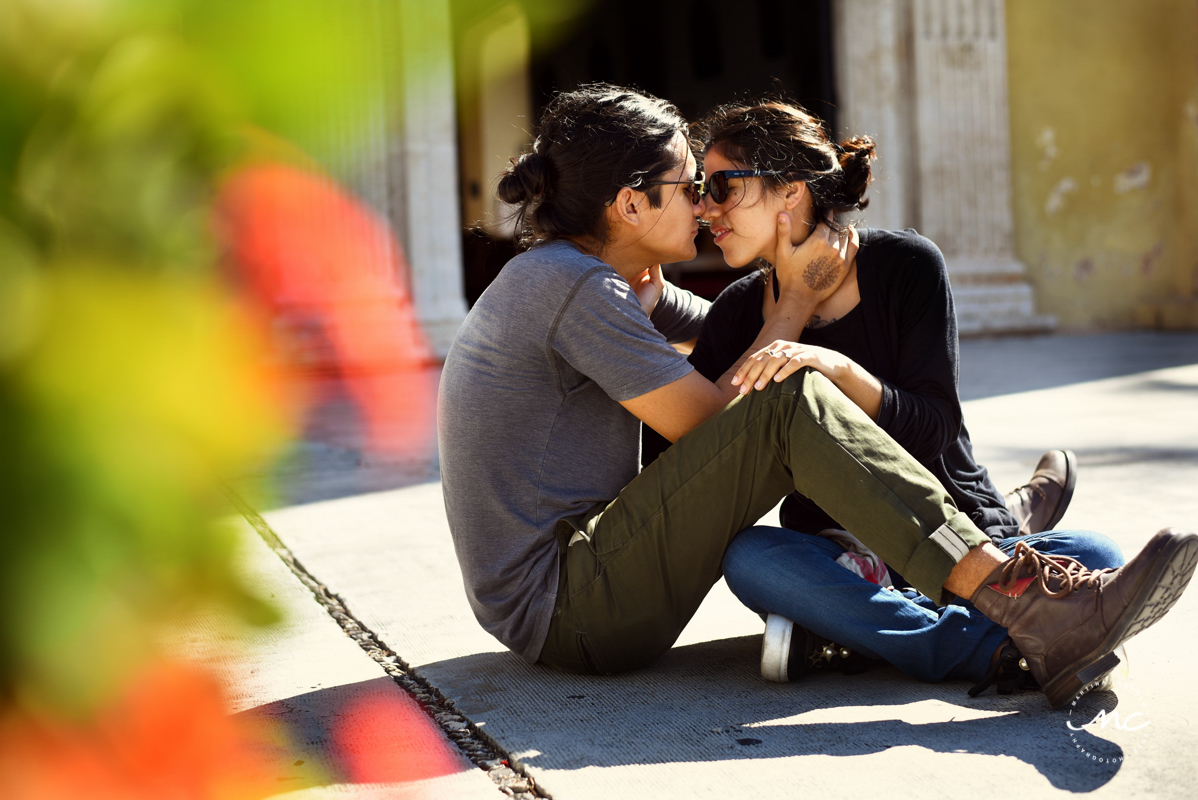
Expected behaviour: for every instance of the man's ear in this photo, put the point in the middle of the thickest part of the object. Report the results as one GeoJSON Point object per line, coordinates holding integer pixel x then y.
{"type": "Point", "coordinates": [628, 206]}
{"type": "Point", "coordinates": [792, 194]}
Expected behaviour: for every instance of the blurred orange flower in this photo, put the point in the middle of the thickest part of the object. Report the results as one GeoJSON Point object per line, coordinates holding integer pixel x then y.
{"type": "Point", "coordinates": [303, 246]}
{"type": "Point", "coordinates": [387, 739]}
{"type": "Point", "coordinates": [168, 736]}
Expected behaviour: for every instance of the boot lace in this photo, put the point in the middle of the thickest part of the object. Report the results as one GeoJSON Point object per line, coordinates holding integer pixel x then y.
{"type": "Point", "coordinates": [1072, 573]}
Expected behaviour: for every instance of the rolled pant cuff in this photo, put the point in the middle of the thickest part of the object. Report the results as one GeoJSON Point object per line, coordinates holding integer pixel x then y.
{"type": "Point", "coordinates": [935, 557]}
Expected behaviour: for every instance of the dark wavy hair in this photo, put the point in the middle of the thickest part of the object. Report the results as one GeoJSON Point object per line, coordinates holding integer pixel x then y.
{"type": "Point", "coordinates": [779, 136]}
{"type": "Point", "coordinates": [590, 143]}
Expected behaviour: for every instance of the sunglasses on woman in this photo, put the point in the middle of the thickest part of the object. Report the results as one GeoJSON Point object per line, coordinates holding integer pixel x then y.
{"type": "Point", "coordinates": [716, 184]}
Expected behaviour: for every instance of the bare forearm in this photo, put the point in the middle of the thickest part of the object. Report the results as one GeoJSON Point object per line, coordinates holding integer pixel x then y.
{"type": "Point", "coordinates": [777, 360]}
{"type": "Point", "coordinates": [858, 385]}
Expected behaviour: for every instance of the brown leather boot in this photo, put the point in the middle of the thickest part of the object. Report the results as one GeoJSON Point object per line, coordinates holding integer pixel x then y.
{"type": "Point", "coordinates": [1040, 503]}
{"type": "Point", "coordinates": [1066, 619]}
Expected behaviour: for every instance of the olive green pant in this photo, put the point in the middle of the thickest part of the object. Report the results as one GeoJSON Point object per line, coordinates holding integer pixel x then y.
{"type": "Point", "coordinates": [638, 568]}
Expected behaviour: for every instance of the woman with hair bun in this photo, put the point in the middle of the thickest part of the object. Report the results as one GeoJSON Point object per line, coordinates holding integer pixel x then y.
{"type": "Point", "coordinates": [887, 338]}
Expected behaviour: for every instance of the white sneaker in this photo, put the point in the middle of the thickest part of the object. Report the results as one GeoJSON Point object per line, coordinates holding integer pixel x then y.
{"type": "Point", "coordinates": [775, 648]}
{"type": "Point", "coordinates": [790, 651]}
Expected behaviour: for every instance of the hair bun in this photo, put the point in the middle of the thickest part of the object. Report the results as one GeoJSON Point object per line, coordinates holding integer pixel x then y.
{"type": "Point", "coordinates": [526, 179]}
{"type": "Point", "coordinates": [856, 156]}
{"type": "Point", "coordinates": [859, 148]}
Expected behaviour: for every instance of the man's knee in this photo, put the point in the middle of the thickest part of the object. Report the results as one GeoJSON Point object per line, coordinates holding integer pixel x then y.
{"type": "Point", "coordinates": [819, 398]}
{"type": "Point", "coordinates": [805, 381]}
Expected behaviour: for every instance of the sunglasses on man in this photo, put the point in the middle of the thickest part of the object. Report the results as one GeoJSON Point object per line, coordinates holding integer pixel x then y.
{"type": "Point", "coordinates": [716, 184]}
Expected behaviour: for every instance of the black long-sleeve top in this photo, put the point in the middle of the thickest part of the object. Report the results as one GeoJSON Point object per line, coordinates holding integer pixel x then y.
{"type": "Point", "coordinates": [904, 332]}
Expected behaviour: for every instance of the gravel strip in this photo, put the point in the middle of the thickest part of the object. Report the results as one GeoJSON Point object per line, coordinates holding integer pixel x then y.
{"type": "Point", "coordinates": [483, 751]}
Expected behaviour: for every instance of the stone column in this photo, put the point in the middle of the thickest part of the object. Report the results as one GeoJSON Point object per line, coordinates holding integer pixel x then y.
{"type": "Point", "coordinates": [393, 142]}
{"type": "Point", "coordinates": [423, 166]}
{"type": "Point", "coordinates": [874, 83]}
{"type": "Point", "coordinates": [933, 74]}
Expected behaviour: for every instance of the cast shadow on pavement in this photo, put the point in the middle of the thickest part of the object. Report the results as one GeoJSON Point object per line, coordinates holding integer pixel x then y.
{"type": "Point", "coordinates": [365, 732]}
{"type": "Point", "coordinates": [1007, 365]}
{"type": "Point", "coordinates": [706, 702]}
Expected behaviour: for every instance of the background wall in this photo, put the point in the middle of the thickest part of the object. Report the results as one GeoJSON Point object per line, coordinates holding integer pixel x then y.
{"type": "Point", "coordinates": [1104, 151]}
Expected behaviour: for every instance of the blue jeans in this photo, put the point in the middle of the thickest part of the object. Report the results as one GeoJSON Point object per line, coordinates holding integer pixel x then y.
{"type": "Point", "coordinates": [779, 571]}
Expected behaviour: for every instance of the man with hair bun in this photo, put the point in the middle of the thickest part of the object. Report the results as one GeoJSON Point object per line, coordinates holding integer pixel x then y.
{"type": "Point", "coordinates": [576, 559]}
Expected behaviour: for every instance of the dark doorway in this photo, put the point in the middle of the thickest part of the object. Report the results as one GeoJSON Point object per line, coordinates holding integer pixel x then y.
{"type": "Point", "coordinates": [698, 53]}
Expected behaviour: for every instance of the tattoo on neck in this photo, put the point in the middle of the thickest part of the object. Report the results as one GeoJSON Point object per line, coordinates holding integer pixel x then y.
{"type": "Point", "coordinates": [817, 321]}
{"type": "Point", "coordinates": [820, 274]}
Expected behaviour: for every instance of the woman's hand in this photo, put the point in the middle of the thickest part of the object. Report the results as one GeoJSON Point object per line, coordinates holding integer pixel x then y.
{"type": "Point", "coordinates": [815, 268]}
{"type": "Point", "coordinates": [782, 359]}
{"type": "Point", "coordinates": [648, 287]}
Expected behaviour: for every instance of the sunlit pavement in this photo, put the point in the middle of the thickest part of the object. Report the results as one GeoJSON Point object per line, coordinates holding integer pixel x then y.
{"type": "Point", "coordinates": [701, 722]}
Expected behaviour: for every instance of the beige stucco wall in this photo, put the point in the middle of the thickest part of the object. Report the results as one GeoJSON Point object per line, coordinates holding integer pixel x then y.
{"type": "Point", "coordinates": [1104, 151]}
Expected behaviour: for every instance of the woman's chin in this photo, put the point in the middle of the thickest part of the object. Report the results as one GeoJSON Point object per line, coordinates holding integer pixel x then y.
{"type": "Point", "coordinates": [732, 259]}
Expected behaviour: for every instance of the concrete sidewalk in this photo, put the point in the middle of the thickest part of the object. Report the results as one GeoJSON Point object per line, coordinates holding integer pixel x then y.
{"type": "Point", "coordinates": [702, 723]}
{"type": "Point", "coordinates": [319, 693]}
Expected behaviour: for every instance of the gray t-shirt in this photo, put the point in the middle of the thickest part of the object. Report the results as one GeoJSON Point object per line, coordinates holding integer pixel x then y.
{"type": "Point", "coordinates": [529, 426]}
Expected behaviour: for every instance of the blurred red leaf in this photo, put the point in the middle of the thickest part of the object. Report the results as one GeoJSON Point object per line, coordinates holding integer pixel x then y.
{"type": "Point", "coordinates": [170, 736]}
{"type": "Point", "coordinates": [303, 245]}
{"type": "Point", "coordinates": [385, 738]}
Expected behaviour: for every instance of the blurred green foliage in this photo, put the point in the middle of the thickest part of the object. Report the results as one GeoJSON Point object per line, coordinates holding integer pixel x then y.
{"type": "Point", "coordinates": [130, 377]}
{"type": "Point", "coordinates": [548, 20]}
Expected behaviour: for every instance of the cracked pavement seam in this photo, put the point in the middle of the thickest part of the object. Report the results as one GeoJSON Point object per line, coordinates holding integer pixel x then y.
{"type": "Point", "coordinates": [484, 752]}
